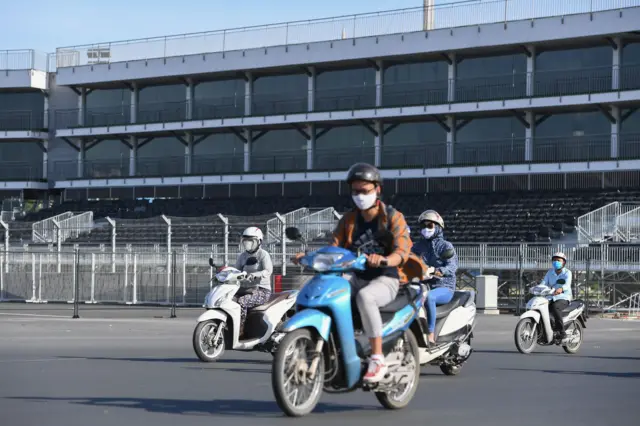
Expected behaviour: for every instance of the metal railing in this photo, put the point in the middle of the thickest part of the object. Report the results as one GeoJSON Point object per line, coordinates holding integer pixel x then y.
{"type": "Point", "coordinates": [318, 224]}
{"type": "Point", "coordinates": [602, 224]}
{"type": "Point", "coordinates": [139, 277]}
{"type": "Point", "coordinates": [277, 225]}
{"type": "Point", "coordinates": [628, 226]}
{"type": "Point", "coordinates": [21, 120]}
{"type": "Point", "coordinates": [452, 15]}
{"type": "Point", "coordinates": [74, 226]}
{"type": "Point", "coordinates": [23, 60]}
{"type": "Point", "coordinates": [46, 231]}
{"type": "Point", "coordinates": [426, 155]}
{"type": "Point", "coordinates": [363, 96]}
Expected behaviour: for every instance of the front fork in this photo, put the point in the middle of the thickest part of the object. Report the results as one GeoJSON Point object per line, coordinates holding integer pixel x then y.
{"type": "Point", "coordinates": [313, 369]}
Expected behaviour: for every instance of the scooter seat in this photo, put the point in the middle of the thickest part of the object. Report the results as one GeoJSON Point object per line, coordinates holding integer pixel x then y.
{"type": "Point", "coordinates": [405, 296]}
{"type": "Point", "coordinates": [273, 299]}
{"type": "Point", "coordinates": [573, 305]}
{"type": "Point", "coordinates": [459, 299]}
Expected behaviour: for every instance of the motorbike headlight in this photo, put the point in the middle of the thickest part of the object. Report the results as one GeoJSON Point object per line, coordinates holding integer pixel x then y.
{"type": "Point", "coordinates": [324, 262]}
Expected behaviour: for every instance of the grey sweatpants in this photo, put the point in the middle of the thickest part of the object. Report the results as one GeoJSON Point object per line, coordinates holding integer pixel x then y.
{"type": "Point", "coordinates": [370, 297]}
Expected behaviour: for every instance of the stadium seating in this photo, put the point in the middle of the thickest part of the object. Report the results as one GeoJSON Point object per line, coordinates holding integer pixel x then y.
{"type": "Point", "coordinates": [470, 217]}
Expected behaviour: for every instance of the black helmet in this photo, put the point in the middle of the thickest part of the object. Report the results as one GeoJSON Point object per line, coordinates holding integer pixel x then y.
{"type": "Point", "coordinates": [365, 172]}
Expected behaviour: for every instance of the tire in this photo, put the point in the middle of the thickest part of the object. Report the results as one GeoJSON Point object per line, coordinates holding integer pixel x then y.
{"type": "Point", "coordinates": [278, 375]}
{"type": "Point", "coordinates": [197, 342]}
{"type": "Point", "coordinates": [393, 404]}
{"type": "Point", "coordinates": [574, 348]}
{"type": "Point", "coordinates": [450, 370]}
{"type": "Point", "coordinates": [518, 331]}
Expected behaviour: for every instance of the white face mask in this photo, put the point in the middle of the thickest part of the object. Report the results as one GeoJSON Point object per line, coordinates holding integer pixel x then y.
{"type": "Point", "coordinates": [250, 245]}
{"type": "Point", "coordinates": [365, 201]}
{"type": "Point", "coordinates": [428, 233]}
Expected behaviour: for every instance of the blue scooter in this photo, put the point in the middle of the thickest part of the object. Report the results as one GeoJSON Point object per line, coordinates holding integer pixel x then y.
{"type": "Point", "coordinates": [324, 347]}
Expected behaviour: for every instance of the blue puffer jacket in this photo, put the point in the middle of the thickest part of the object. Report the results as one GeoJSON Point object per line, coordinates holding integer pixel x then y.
{"type": "Point", "coordinates": [431, 251]}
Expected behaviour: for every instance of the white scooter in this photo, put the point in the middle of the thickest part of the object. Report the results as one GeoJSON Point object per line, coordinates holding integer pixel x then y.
{"type": "Point", "coordinates": [218, 327]}
{"type": "Point", "coordinates": [455, 322]}
{"type": "Point", "coordinates": [534, 327]}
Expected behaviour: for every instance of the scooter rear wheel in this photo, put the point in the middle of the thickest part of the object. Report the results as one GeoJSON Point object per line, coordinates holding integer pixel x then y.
{"type": "Point", "coordinates": [393, 401]}
{"type": "Point", "coordinates": [575, 332]}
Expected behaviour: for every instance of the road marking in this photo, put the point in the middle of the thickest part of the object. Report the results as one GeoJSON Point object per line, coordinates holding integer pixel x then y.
{"type": "Point", "coordinates": [35, 315]}
{"type": "Point", "coordinates": [5, 361]}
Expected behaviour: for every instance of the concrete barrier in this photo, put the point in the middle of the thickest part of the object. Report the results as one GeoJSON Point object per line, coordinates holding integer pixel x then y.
{"type": "Point", "coordinates": [487, 290]}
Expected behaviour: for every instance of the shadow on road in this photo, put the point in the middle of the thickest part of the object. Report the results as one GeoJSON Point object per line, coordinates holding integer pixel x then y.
{"type": "Point", "coordinates": [194, 359]}
{"type": "Point", "coordinates": [581, 373]}
{"type": "Point", "coordinates": [515, 352]}
{"type": "Point", "coordinates": [225, 407]}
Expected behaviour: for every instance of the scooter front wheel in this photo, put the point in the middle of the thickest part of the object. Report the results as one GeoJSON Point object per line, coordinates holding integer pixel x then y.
{"type": "Point", "coordinates": [203, 344]}
{"type": "Point", "coordinates": [526, 335]}
{"type": "Point", "coordinates": [296, 391]}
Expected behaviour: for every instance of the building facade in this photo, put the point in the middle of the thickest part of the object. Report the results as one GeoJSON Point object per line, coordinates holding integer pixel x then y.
{"type": "Point", "coordinates": [464, 97]}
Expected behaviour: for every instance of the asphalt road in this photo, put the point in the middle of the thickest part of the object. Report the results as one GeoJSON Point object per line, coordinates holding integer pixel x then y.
{"type": "Point", "coordinates": [57, 371]}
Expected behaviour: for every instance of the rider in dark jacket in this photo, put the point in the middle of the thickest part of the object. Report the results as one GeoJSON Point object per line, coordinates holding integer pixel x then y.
{"type": "Point", "coordinates": [439, 254]}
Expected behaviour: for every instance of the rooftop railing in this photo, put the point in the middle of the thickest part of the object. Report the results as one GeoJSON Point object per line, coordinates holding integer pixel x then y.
{"type": "Point", "coordinates": [451, 15]}
{"type": "Point", "coordinates": [23, 60]}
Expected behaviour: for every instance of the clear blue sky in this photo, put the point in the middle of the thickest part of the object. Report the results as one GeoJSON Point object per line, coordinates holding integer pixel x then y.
{"type": "Point", "coordinates": [44, 24]}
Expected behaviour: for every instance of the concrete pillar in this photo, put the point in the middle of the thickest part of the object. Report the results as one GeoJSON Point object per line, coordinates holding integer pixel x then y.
{"type": "Point", "coordinates": [248, 93]}
{"type": "Point", "coordinates": [311, 145]}
{"type": "Point", "coordinates": [248, 145]}
{"type": "Point", "coordinates": [616, 64]}
{"type": "Point", "coordinates": [188, 154]}
{"type": "Point", "coordinates": [529, 135]}
{"type": "Point", "coordinates": [428, 12]}
{"type": "Point", "coordinates": [531, 71]}
{"type": "Point", "coordinates": [135, 99]}
{"type": "Point", "coordinates": [615, 131]}
{"type": "Point", "coordinates": [311, 89]}
{"type": "Point", "coordinates": [452, 75]}
{"type": "Point", "coordinates": [190, 100]}
{"type": "Point", "coordinates": [82, 106]}
{"type": "Point", "coordinates": [82, 153]}
{"type": "Point", "coordinates": [133, 155]}
{"type": "Point", "coordinates": [379, 82]}
{"type": "Point", "coordinates": [487, 294]}
{"type": "Point", "coordinates": [451, 139]}
{"type": "Point", "coordinates": [45, 118]}
{"type": "Point", "coordinates": [45, 158]}
{"type": "Point", "coordinates": [378, 141]}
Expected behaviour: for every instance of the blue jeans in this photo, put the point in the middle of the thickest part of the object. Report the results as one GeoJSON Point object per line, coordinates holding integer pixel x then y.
{"type": "Point", "coordinates": [437, 296]}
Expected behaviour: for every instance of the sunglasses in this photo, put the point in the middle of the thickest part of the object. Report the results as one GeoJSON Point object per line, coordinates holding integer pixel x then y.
{"type": "Point", "coordinates": [362, 191]}
{"type": "Point", "coordinates": [427, 225]}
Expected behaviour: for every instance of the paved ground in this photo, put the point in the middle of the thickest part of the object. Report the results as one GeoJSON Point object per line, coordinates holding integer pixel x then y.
{"type": "Point", "coordinates": [58, 371]}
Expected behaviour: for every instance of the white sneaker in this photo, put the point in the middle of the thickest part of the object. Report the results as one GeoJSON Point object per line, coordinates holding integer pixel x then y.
{"type": "Point", "coordinates": [376, 371]}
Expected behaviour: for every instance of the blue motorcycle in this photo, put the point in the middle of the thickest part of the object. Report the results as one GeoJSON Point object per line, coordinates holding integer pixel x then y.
{"type": "Point", "coordinates": [324, 347]}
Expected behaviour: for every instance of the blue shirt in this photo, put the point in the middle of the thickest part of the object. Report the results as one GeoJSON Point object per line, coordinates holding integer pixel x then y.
{"type": "Point", "coordinates": [551, 280]}
{"type": "Point", "coordinates": [431, 251]}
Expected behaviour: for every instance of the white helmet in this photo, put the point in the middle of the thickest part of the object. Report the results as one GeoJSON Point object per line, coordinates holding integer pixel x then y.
{"type": "Point", "coordinates": [252, 238]}
{"type": "Point", "coordinates": [559, 255]}
{"type": "Point", "coordinates": [431, 216]}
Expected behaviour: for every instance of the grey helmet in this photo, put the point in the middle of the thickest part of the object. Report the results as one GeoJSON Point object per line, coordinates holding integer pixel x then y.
{"type": "Point", "coordinates": [431, 216]}
{"type": "Point", "coordinates": [365, 172]}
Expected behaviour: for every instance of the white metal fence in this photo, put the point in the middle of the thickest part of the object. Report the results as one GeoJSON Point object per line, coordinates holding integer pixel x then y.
{"type": "Point", "coordinates": [148, 277]}
{"type": "Point", "coordinates": [602, 224]}
{"type": "Point", "coordinates": [628, 226]}
{"type": "Point", "coordinates": [440, 16]}
{"type": "Point", "coordinates": [45, 231]}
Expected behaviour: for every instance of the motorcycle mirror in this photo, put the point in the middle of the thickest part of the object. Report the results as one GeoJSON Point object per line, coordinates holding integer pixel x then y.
{"type": "Point", "coordinates": [213, 265]}
{"type": "Point", "coordinates": [561, 281]}
{"type": "Point", "coordinates": [293, 233]}
{"type": "Point", "coordinates": [447, 254]}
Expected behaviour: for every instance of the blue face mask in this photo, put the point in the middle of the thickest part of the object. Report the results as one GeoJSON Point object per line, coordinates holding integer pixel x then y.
{"type": "Point", "coordinates": [557, 264]}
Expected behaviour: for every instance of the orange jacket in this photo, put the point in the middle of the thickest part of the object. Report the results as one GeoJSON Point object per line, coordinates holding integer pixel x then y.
{"type": "Point", "coordinates": [411, 266]}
